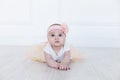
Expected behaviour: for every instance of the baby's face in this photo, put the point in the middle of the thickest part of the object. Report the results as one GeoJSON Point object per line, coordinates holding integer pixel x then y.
{"type": "Point", "coordinates": [56, 38]}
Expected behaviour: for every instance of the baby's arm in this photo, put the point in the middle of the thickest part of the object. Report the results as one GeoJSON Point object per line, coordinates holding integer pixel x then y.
{"type": "Point", "coordinates": [50, 62]}
{"type": "Point", "coordinates": [66, 61]}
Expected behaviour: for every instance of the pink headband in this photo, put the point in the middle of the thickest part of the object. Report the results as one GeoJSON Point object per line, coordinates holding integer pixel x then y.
{"type": "Point", "coordinates": [62, 27]}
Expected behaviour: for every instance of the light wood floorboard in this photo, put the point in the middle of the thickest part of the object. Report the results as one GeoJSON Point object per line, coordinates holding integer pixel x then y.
{"type": "Point", "coordinates": [99, 64]}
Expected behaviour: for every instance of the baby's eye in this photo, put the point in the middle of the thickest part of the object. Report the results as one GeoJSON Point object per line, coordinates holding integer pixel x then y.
{"type": "Point", "coordinates": [52, 35]}
{"type": "Point", "coordinates": [60, 35]}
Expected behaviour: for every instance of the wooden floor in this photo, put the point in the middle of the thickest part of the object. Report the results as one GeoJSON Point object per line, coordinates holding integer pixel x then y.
{"type": "Point", "coordinates": [100, 64]}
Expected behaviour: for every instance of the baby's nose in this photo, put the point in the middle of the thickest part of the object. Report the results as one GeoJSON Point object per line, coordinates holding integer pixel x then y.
{"type": "Point", "coordinates": [56, 38]}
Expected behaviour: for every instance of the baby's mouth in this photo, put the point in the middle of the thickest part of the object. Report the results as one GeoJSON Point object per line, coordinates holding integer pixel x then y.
{"type": "Point", "coordinates": [57, 41]}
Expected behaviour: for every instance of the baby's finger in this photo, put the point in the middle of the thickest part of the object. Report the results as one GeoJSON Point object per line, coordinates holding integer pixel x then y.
{"type": "Point", "coordinates": [60, 67]}
{"type": "Point", "coordinates": [57, 67]}
{"type": "Point", "coordinates": [63, 67]}
{"type": "Point", "coordinates": [67, 67]}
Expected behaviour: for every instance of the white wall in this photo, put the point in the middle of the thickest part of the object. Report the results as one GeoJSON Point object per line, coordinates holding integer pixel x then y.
{"type": "Point", "coordinates": [92, 23]}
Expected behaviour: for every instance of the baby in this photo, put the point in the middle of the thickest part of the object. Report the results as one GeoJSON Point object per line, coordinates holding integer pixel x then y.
{"type": "Point", "coordinates": [56, 52]}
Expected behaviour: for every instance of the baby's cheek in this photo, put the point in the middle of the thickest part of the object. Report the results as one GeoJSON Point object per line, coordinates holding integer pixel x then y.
{"type": "Point", "coordinates": [63, 40]}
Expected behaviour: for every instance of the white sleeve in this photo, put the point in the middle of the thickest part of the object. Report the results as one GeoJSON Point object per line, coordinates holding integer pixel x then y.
{"type": "Point", "coordinates": [66, 47]}
{"type": "Point", "coordinates": [47, 49]}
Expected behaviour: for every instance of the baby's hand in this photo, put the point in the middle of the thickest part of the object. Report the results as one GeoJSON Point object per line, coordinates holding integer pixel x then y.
{"type": "Point", "coordinates": [64, 67]}
{"type": "Point", "coordinates": [57, 66]}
